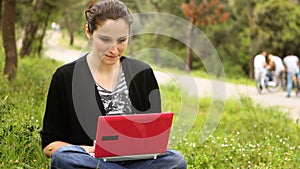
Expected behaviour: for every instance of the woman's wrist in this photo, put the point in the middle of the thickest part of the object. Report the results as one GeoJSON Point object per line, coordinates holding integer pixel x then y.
{"type": "Point", "coordinates": [88, 149]}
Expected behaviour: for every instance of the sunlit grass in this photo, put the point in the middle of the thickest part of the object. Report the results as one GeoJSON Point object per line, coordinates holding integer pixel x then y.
{"type": "Point", "coordinates": [22, 103]}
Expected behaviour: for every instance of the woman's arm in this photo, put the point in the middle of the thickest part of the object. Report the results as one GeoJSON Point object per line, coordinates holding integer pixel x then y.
{"type": "Point", "coordinates": [50, 149]}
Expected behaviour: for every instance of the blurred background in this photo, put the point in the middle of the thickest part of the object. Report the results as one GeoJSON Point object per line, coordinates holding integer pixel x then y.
{"type": "Point", "coordinates": [237, 29]}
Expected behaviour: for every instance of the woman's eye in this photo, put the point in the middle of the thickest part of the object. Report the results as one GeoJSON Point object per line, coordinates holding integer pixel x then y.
{"type": "Point", "coordinates": [122, 40]}
{"type": "Point", "coordinates": [106, 40]}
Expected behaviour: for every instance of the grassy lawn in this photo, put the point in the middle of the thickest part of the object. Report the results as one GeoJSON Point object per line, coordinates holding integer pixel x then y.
{"type": "Point", "coordinates": [248, 135]}
{"type": "Point", "coordinates": [235, 80]}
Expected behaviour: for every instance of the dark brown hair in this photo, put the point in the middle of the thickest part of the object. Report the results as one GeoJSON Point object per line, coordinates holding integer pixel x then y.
{"type": "Point", "coordinates": [101, 10]}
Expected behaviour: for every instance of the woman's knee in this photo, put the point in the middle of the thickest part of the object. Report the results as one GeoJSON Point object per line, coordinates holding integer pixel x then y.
{"type": "Point", "coordinates": [62, 151]}
{"type": "Point", "coordinates": [177, 159]}
{"type": "Point", "coordinates": [65, 155]}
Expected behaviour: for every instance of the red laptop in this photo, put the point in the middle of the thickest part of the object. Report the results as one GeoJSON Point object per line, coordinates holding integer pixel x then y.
{"type": "Point", "coordinates": [130, 137]}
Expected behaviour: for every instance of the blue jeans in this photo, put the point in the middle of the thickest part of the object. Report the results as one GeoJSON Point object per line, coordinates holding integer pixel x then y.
{"type": "Point", "coordinates": [290, 76]}
{"type": "Point", "coordinates": [75, 157]}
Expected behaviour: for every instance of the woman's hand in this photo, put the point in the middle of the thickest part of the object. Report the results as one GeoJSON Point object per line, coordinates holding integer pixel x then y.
{"type": "Point", "coordinates": [89, 149]}
{"type": "Point", "coordinates": [52, 147]}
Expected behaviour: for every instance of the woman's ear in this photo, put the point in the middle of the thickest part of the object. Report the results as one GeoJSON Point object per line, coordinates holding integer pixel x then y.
{"type": "Point", "coordinates": [87, 31]}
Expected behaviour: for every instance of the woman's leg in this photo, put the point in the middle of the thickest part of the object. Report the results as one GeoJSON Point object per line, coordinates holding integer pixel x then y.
{"type": "Point", "coordinates": [75, 157]}
{"type": "Point", "coordinates": [170, 160]}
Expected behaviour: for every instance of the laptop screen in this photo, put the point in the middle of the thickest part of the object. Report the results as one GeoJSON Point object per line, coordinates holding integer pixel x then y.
{"type": "Point", "coordinates": [131, 135]}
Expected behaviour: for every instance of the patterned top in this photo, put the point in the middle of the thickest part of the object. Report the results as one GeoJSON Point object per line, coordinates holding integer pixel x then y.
{"type": "Point", "coordinates": [117, 100]}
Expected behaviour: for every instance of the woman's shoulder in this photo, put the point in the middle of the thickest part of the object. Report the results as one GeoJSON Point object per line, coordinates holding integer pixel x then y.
{"type": "Point", "coordinates": [66, 68]}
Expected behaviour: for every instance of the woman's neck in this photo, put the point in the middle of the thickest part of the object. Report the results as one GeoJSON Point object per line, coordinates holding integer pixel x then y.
{"type": "Point", "coordinates": [96, 65]}
{"type": "Point", "coordinates": [105, 75]}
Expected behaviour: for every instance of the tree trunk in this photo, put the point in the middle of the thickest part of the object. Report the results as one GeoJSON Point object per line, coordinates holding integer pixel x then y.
{"type": "Point", "coordinates": [71, 38]}
{"type": "Point", "coordinates": [156, 6]}
{"type": "Point", "coordinates": [0, 15]}
{"type": "Point", "coordinates": [31, 29]}
{"type": "Point", "coordinates": [9, 40]}
{"type": "Point", "coordinates": [251, 5]}
{"type": "Point", "coordinates": [41, 39]}
{"type": "Point", "coordinates": [189, 54]}
{"type": "Point", "coordinates": [157, 56]}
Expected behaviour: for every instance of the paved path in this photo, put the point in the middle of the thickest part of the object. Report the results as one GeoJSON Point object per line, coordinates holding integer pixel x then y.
{"type": "Point", "coordinates": [56, 51]}
{"type": "Point", "coordinates": [202, 86]}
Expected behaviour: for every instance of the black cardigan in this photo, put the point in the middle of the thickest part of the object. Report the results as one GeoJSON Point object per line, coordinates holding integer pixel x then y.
{"type": "Point", "coordinates": [73, 103]}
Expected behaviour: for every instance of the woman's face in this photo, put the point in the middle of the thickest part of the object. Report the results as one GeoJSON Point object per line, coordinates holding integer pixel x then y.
{"type": "Point", "coordinates": [109, 41]}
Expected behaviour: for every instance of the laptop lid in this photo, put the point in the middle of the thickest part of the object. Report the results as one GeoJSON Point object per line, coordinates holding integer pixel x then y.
{"type": "Point", "coordinates": [132, 135]}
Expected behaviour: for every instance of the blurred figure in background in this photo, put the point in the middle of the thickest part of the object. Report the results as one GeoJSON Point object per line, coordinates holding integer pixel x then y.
{"type": "Point", "coordinates": [291, 63]}
{"type": "Point", "coordinates": [276, 64]}
{"type": "Point", "coordinates": [260, 70]}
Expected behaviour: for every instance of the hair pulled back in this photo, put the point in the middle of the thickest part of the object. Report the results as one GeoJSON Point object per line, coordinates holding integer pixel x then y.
{"type": "Point", "coordinates": [101, 10]}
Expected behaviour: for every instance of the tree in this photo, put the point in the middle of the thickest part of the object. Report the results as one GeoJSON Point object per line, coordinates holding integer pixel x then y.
{"type": "Point", "coordinates": [36, 26]}
{"type": "Point", "coordinates": [1, 2]}
{"type": "Point", "coordinates": [278, 30]}
{"type": "Point", "coordinates": [204, 14]}
{"type": "Point", "coordinates": [251, 6]}
{"type": "Point", "coordinates": [234, 52]}
{"type": "Point", "coordinates": [165, 6]}
{"type": "Point", "coordinates": [47, 9]}
{"type": "Point", "coordinates": [31, 28]}
{"type": "Point", "coordinates": [9, 40]}
{"type": "Point", "coordinates": [155, 40]}
{"type": "Point", "coordinates": [74, 19]}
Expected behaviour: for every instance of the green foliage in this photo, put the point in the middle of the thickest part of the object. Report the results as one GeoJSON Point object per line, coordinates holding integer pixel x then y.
{"type": "Point", "coordinates": [22, 7]}
{"type": "Point", "coordinates": [232, 40]}
{"type": "Point", "coordinates": [234, 56]}
{"type": "Point", "coordinates": [74, 17]}
{"type": "Point", "coordinates": [147, 48]}
{"type": "Point", "coordinates": [164, 6]}
{"type": "Point", "coordinates": [278, 30]}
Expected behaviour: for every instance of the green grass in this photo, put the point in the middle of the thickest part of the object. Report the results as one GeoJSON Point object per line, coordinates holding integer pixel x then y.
{"type": "Point", "coordinates": [248, 135]}
{"type": "Point", "coordinates": [22, 105]}
{"type": "Point", "coordinates": [235, 80]}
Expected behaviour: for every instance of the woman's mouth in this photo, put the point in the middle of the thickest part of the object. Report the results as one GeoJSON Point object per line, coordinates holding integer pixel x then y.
{"type": "Point", "coordinates": [111, 56]}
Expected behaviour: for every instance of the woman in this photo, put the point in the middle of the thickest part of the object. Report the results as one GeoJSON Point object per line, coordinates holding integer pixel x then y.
{"type": "Point", "coordinates": [118, 84]}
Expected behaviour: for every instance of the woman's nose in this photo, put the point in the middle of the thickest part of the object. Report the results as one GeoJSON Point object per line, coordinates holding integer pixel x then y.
{"type": "Point", "coordinates": [114, 49]}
